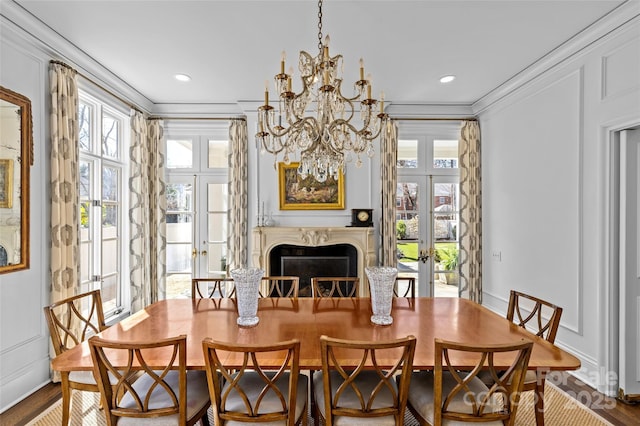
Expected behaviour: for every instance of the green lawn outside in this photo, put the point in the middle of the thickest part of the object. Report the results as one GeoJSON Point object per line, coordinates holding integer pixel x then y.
{"type": "Point", "coordinates": [410, 250]}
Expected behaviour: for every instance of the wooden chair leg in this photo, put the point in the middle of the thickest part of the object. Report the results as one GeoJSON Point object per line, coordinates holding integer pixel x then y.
{"type": "Point", "coordinates": [539, 399]}
{"type": "Point", "coordinates": [66, 400]}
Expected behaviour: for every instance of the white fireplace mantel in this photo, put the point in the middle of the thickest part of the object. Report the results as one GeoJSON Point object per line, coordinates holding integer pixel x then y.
{"type": "Point", "coordinates": [265, 238]}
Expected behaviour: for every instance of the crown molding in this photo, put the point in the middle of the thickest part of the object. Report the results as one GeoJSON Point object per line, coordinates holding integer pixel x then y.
{"type": "Point", "coordinates": [624, 14]}
{"type": "Point", "coordinates": [59, 48]}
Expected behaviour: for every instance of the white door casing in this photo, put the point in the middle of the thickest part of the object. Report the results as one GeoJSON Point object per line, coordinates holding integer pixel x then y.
{"type": "Point", "coordinates": [629, 272]}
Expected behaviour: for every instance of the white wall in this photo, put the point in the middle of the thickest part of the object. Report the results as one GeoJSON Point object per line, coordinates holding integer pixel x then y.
{"type": "Point", "coordinates": [545, 168]}
{"type": "Point", "coordinates": [24, 339]}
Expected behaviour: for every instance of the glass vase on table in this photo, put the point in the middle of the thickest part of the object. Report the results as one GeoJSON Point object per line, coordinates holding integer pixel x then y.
{"type": "Point", "coordinates": [247, 283]}
{"type": "Point", "coordinates": [381, 282]}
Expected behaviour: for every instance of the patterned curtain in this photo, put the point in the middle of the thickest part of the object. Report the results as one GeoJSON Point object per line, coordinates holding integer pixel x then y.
{"type": "Point", "coordinates": [147, 213]}
{"type": "Point", "coordinates": [470, 212]}
{"type": "Point", "coordinates": [65, 242]}
{"type": "Point", "coordinates": [237, 242]}
{"type": "Point", "coordinates": [389, 183]}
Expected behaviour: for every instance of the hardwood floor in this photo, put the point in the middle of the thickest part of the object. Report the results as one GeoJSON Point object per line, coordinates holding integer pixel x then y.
{"type": "Point", "coordinates": [614, 411]}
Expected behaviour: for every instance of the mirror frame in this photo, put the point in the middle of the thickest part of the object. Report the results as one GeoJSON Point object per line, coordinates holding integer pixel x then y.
{"type": "Point", "coordinates": [26, 161]}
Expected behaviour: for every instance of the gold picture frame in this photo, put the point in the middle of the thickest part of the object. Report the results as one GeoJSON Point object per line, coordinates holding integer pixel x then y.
{"type": "Point", "coordinates": [308, 194]}
{"type": "Point", "coordinates": [6, 183]}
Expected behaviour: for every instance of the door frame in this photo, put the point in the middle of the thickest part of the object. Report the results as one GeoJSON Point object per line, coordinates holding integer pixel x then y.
{"type": "Point", "coordinates": [609, 295]}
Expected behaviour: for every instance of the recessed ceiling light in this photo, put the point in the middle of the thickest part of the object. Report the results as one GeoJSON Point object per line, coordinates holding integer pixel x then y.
{"type": "Point", "coordinates": [447, 78]}
{"type": "Point", "coordinates": [182, 77]}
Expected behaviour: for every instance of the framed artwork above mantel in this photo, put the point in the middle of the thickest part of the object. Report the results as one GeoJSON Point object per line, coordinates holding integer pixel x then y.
{"type": "Point", "coordinates": [296, 193]}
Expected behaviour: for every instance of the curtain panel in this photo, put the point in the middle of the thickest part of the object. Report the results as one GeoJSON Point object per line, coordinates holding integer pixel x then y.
{"type": "Point", "coordinates": [388, 184]}
{"type": "Point", "coordinates": [238, 237]}
{"type": "Point", "coordinates": [65, 239]}
{"type": "Point", "coordinates": [470, 236]}
{"type": "Point", "coordinates": [147, 213]}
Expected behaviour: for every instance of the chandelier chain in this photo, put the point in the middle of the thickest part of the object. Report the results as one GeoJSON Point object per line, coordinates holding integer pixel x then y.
{"type": "Point", "coordinates": [320, 25]}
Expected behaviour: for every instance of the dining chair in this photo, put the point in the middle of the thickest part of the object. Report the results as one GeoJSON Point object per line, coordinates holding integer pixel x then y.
{"type": "Point", "coordinates": [148, 393]}
{"type": "Point", "coordinates": [405, 287]}
{"type": "Point", "coordinates": [453, 393]}
{"type": "Point", "coordinates": [71, 321]}
{"type": "Point", "coordinates": [542, 318]}
{"type": "Point", "coordinates": [267, 388]}
{"type": "Point", "coordinates": [280, 286]}
{"type": "Point", "coordinates": [335, 286]}
{"type": "Point", "coordinates": [212, 288]}
{"type": "Point", "coordinates": [363, 392]}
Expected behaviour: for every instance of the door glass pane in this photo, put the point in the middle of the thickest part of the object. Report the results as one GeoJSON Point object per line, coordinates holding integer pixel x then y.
{"type": "Point", "coordinates": [445, 229]}
{"type": "Point", "coordinates": [180, 247]}
{"type": "Point", "coordinates": [179, 153]}
{"type": "Point", "coordinates": [407, 228]}
{"type": "Point", "coordinates": [217, 226]}
{"type": "Point", "coordinates": [445, 154]}
{"type": "Point", "coordinates": [179, 197]}
{"type": "Point", "coordinates": [407, 154]}
{"type": "Point", "coordinates": [217, 197]}
{"type": "Point", "coordinates": [218, 154]}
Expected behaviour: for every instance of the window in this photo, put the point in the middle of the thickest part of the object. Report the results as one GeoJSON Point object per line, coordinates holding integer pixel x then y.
{"type": "Point", "coordinates": [104, 138]}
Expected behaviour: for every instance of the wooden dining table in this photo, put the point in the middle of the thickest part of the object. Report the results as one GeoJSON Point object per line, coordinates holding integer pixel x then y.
{"type": "Point", "coordinates": [306, 319]}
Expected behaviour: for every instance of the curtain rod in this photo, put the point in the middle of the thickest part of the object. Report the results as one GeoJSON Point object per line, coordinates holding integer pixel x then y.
{"type": "Point", "coordinates": [435, 119]}
{"type": "Point", "coordinates": [99, 86]}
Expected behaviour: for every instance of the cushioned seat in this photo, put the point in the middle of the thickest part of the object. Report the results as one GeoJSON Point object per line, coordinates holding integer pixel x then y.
{"type": "Point", "coordinates": [454, 395]}
{"type": "Point", "coordinates": [271, 394]}
{"type": "Point", "coordinates": [167, 395]}
{"type": "Point", "coordinates": [363, 393]}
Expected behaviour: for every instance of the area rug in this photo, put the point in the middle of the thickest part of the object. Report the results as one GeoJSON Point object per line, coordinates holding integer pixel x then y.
{"type": "Point", "coordinates": [560, 410]}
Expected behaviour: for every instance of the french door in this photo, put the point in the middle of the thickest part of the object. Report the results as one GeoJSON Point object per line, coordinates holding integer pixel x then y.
{"type": "Point", "coordinates": [196, 230]}
{"type": "Point", "coordinates": [426, 229]}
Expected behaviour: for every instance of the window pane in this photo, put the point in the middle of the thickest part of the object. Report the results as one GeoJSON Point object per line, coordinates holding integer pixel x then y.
{"type": "Point", "coordinates": [109, 257]}
{"type": "Point", "coordinates": [218, 153]}
{"type": "Point", "coordinates": [179, 154]}
{"type": "Point", "coordinates": [84, 117]}
{"type": "Point", "coordinates": [109, 292]}
{"type": "Point", "coordinates": [110, 136]}
{"type": "Point", "coordinates": [445, 154]}
{"type": "Point", "coordinates": [85, 180]}
{"type": "Point", "coordinates": [85, 267]}
{"type": "Point", "coordinates": [110, 183]}
{"type": "Point", "coordinates": [407, 154]}
{"type": "Point", "coordinates": [109, 220]}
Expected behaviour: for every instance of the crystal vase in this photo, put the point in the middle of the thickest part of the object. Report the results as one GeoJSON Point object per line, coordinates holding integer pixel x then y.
{"type": "Point", "coordinates": [247, 282]}
{"type": "Point", "coordinates": [381, 282]}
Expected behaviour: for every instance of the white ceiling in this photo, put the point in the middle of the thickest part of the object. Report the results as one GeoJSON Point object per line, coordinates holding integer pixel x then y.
{"type": "Point", "coordinates": [230, 48]}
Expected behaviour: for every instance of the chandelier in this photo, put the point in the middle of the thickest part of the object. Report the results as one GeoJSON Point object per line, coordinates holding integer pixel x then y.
{"type": "Point", "coordinates": [320, 122]}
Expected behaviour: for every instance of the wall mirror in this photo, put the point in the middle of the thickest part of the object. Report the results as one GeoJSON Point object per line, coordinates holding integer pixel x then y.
{"type": "Point", "coordinates": [16, 157]}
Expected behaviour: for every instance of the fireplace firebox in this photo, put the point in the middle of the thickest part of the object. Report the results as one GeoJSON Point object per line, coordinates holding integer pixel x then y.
{"type": "Point", "coordinates": [339, 260]}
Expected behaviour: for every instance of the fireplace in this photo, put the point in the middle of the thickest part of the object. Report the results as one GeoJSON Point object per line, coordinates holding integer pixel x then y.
{"type": "Point", "coordinates": [350, 248]}
{"type": "Point", "coordinates": [306, 262]}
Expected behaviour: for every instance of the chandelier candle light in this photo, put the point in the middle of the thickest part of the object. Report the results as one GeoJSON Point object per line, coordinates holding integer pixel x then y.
{"type": "Point", "coordinates": [320, 122]}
